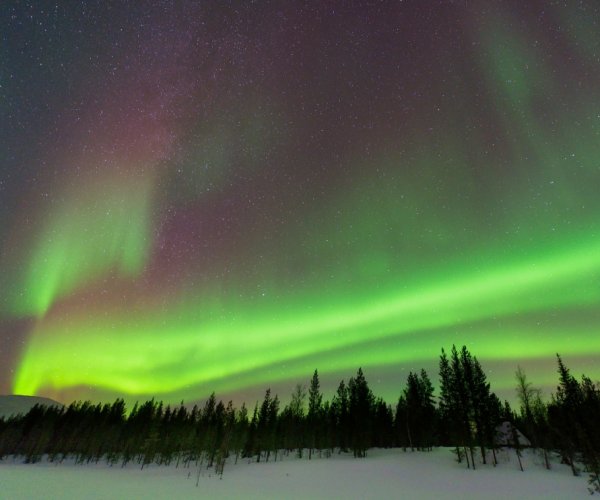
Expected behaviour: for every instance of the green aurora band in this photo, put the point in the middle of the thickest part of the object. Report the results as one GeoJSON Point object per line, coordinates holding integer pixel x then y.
{"type": "Point", "coordinates": [187, 352]}
{"type": "Point", "coordinates": [489, 238]}
{"type": "Point", "coordinates": [83, 239]}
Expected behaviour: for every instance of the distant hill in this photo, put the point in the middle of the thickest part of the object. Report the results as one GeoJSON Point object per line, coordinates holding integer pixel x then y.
{"type": "Point", "coordinates": [13, 405]}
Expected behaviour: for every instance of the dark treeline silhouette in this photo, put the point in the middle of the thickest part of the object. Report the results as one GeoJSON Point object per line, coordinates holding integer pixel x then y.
{"type": "Point", "coordinates": [466, 418]}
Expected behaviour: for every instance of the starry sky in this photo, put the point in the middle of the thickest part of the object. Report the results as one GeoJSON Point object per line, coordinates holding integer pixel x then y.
{"type": "Point", "coordinates": [200, 196]}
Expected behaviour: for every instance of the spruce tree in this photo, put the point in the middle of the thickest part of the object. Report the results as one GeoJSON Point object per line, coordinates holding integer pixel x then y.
{"type": "Point", "coordinates": [412, 396]}
{"type": "Point", "coordinates": [240, 431]}
{"type": "Point", "coordinates": [468, 410]}
{"type": "Point", "coordinates": [314, 412]}
{"type": "Point", "coordinates": [250, 446]}
{"type": "Point", "coordinates": [361, 409]}
{"type": "Point", "coordinates": [562, 413]}
{"type": "Point", "coordinates": [463, 409]}
{"type": "Point", "coordinates": [448, 421]}
{"type": "Point", "coordinates": [383, 425]}
{"type": "Point", "coordinates": [428, 410]}
{"type": "Point", "coordinates": [574, 414]}
{"type": "Point", "coordinates": [416, 410]}
{"type": "Point", "coordinates": [340, 408]}
{"type": "Point", "coordinates": [272, 427]}
{"type": "Point", "coordinates": [401, 423]}
{"type": "Point", "coordinates": [297, 408]}
{"type": "Point", "coordinates": [229, 418]}
{"type": "Point", "coordinates": [483, 410]}
{"type": "Point", "coordinates": [589, 416]}
{"type": "Point", "coordinates": [264, 417]}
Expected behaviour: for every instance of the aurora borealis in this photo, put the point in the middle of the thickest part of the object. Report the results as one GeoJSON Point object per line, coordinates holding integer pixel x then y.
{"type": "Point", "coordinates": [200, 196]}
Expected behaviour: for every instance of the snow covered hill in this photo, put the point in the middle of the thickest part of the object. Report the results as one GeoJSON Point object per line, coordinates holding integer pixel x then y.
{"type": "Point", "coordinates": [383, 474]}
{"type": "Point", "coordinates": [14, 405]}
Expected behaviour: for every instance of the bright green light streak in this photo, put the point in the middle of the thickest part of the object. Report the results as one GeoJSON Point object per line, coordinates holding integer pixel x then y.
{"type": "Point", "coordinates": [166, 355]}
{"type": "Point", "coordinates": [91, 233]}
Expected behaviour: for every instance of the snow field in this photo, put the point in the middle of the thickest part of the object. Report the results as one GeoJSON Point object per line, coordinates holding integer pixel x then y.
{"type": "Point", "coordinates": [383, 474]}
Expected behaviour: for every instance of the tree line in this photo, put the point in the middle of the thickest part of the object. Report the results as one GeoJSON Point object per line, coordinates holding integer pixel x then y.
{"type": "Point", "coordinates": [465, 417]}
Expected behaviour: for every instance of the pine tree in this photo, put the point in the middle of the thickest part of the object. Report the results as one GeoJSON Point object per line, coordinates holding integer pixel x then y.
{"type": "Point", "coordinates": [574, 414]}
{"type": "Point", "coordinates": [447, 403]}
{"type": "Point", "coordinates": [271, 427]}
{"type": "Point", "coordinates": [229, 417]}
{"type": "Point", "coordinates": [428, 410]}
{"type": "Point", "coordinates": [330, 423]}
{"type": "Point", "coordinates": [589, 416]}
{"type": "Point", "coordinates": [314, 412]}
{"type": "Point", "coordinates": [416, 411]}
{"type": "Point", "coordinates": [482, 402]}
{"type": "Point", "coordinates": [340, 408]}
{"type": "Point", "coordinates": [383, 425]}
{"type": "Point", "coordinates": [251, 440]}
{"type": "Point", "coordinates": [401, 423]}
{"type": "Point", "coordinates": [562, 413]}
{"type": "Point", "coordinates": [240, 431]}
{"type": "Point", "coordinates": [361, 409]}
{"type": "Point", "coordinates": [297, 417]}
{"type": "Point", "coordinates": [263, 424]}
{"type": "Point", "coordinates": [215, 432]}
{"type": "Point", "coordinates": [462, 407]}
{"type": "Point", "coordinates": [468, 410]}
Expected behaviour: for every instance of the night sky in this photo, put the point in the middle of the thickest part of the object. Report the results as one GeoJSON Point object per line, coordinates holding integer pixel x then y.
{"type": "Point", "coordinates": [200, 196]}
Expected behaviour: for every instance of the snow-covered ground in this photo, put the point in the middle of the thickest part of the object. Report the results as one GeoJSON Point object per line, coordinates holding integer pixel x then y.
{"type": "Point", "coordinates": [383, 474]}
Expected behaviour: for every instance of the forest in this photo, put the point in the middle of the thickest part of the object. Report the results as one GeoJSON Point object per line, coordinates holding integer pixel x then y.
{"type": "Point", "coordinates": [465, 416]}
